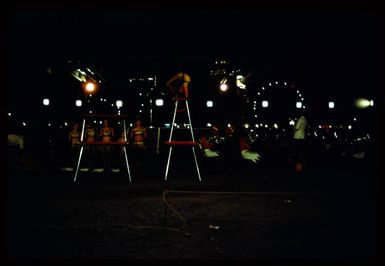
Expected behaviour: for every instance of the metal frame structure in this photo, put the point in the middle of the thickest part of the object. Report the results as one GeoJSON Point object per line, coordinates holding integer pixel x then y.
{"type": "Point", "coordinates": [82, 143]}
{"type": "Point", "coordinates": [182, 143]}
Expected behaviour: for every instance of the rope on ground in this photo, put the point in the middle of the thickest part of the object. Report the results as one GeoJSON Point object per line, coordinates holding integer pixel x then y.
{"type": "Point", "coordinates": [136, 227]}
{"type": "Point", "coordinates": [165, 192]}
{"type": "Point", "coordinates": [181, 218]}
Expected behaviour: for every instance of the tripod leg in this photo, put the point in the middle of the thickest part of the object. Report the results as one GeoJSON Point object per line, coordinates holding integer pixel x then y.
{"type": "Point", "coordinates": [196, 164]}
{"type": "Point", "coordinates": [168, 163]}
{"type": "Point", "coordinates": [172, 129]}
{"type": "Point", "coordinates": [192, 137]}
{"type": "Point", "coordinates": [128, 166]}
{"type": "Point", "coordinates": [77, 167]}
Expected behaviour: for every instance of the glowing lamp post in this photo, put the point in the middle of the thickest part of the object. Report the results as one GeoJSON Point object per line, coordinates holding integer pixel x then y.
{"type": "Point", "coordinates": [90, 87]}
{"type": "Point", "coordinates": [159, 102]}
{"type": "Point", "coordinates": [119, 103]}
{"type": "Point", "coordinates": [223, 87]}
{"type": "Point", "coordinates": [46, 102]}
{"type": "Point", "coordinates": [78, 103]}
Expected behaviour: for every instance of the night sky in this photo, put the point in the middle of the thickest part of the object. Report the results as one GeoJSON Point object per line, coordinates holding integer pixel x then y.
{"type": "Point", "coordinates": [328, 54]}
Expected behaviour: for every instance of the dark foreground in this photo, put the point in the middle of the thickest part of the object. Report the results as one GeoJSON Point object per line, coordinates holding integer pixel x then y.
{"type": "Point", "coordinates": [327, 213]}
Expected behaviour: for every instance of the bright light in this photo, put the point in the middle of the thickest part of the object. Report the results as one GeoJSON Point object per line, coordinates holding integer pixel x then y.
{"type": "Point", "coordinates": [9, 114]}
{"type": "Point", "coordinates": [119, 103]}
{"type": "Point", "coordinates": [150, 78]}
{"type": "Point", "coordinates": [349, 127]}
{"type": "Point", "coordinates": [256, 125]}
{"type": "Point", "coordinates": [246, 125]}
{"type": "Point", "coordinates": [285, 83]}
{"type": "Point", "coordinates": [331, 105]}
{"type": "Point", "coordinates": [263, 88]}
{"type": "Point", "coordinates": [24, 124]}
{"type": "Point", "coordinates": [140, 111]}
{"type": "Point", "coordinates": [90, 112]}
{"type": "Point", "coordinates": [239, 77]}
{"type": "Point", "coordinates": [159, 102]}
{"type": "Point", "coordinates": [265, 104]}
{"type": "Point", "coordinates": [298, 104]}
{"type": "Point", "coordinates": [46, 102]}
{"type": "Point", "coordinates": [303, 107]}
{"type": "Point", "coordinates": [140, 94]}
{"type": "Point", "coordinates": [319, 126]}
{"type": "Point", "coordinates": [240, 84]}
{"type": "Point", "coordinates": [209, 124]}
{"type": "Point", "coordinates": [291, 123]}
{"type": "Point", "coordinates": [142, 104]}
{"type": "Point", "coordinates": [259, 93]}
{"type": "Point", "coordinates": [223, 87]}
{"type": "Point", "coordinates": [276, 82]}
{"type": "Point", "coordinates": [228, 125]}
{"type": "Point", "coordinates": [266, 126]}
{"type": "Point", "coordinates": [209, 103]}
{"type": "Point", "coordinates": [269, 84]}
{"type": "Point", "coordinates": [65, 123]}
{"type": "Point", "coordinates": [49, 124]}
{"type": "Point", "coordinates": [363, 103]}
{"type": "Point", "coordinates": [275, 125]}
{"type": "Point", "coordinates": [90, 87]}
{"type": "Point", "coordinates": [78, 103]}
{"type": "Point", "coordinates": [354, 119]}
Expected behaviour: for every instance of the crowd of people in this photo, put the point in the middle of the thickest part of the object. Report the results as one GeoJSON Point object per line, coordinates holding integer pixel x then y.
{"type": "Point", "coordinates": [232, 143]}
{"type": "Point", "coordinates": [227, 143]}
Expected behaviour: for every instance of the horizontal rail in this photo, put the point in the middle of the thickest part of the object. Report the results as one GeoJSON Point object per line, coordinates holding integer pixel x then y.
{"type": "Point", "coordinates": [181, 143]}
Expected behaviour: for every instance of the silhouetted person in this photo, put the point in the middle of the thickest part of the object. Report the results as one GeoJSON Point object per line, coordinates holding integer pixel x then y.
{"type": "Point", "coordinates": [178, 85]}
{"type": "Point", "coordinates": [74, 138]}
{"type": "Point", "coordinates": [15, 149]}
{"type": "Point", "coordinates": [138, 135]}
{"type": "Point", "coordinates": [106, 133]}
{"type": "Point", "coordinates": [207, 147]}
{"type": "Point", "coordinates": [299, 145]}
{"type": "Point", "coordinates": [90, 149]}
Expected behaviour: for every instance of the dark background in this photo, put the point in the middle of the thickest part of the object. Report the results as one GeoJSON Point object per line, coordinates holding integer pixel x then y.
{"type": "Point", "coordinates": [328, 54]}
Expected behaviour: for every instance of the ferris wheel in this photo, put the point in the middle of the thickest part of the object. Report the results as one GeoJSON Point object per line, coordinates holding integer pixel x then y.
{"type": "Point", "coordinates": [276, 102]}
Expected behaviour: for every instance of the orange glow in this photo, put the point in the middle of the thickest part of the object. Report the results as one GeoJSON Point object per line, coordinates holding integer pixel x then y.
{"type": "Point", "coordinates": [90, 87]}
